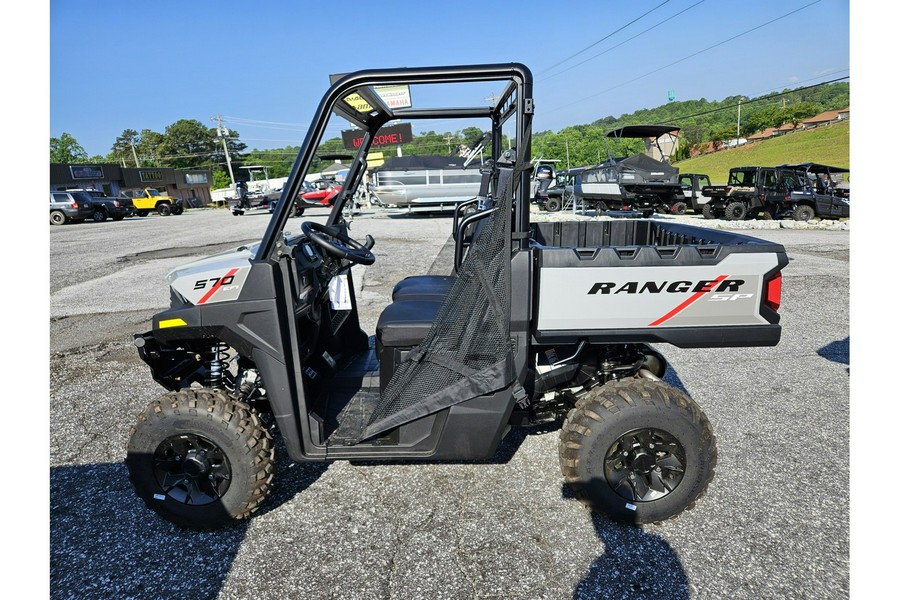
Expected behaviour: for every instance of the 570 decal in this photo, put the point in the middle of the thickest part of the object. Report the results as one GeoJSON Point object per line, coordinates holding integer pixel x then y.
{"type": "Point", "coordinates": [214, 284]}
{"type": "Point", "coordinates": [201, 284]}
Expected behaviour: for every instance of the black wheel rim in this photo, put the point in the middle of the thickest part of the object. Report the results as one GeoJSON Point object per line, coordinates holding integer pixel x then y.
{"type": "Point", "coordinates": [191, 469]}
{"type": "Point", "coordinates": [645, 465]}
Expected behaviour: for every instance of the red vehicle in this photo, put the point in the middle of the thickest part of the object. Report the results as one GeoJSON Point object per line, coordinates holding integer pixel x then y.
{"type": "Point", "coordinates": [326, 190]}
{"type": "Point", "coordinates": [321, 192]}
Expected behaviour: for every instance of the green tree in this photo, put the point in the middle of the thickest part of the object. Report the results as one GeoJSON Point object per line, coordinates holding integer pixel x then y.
{"type": "Point", "coordinates": [187, 144]}
{"type": "Point", "coordinates": [278, 160]}
{"type": "Point", "coordinates": [220, 180]}
{"type": "Point", "coordinates": [796, 113]}
{"type": "Point", "coordinates": [149, 148]}
{"type": "Point", "coordinates": [124, 149]}
{"type": "Point", "coordinates": [66, 149]}
{"type": "Point", "coordinates": [758, 120]}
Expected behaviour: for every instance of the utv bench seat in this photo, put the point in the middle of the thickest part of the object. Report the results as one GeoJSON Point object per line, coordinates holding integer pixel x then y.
{"type": "Point", "coordinates": [423, 287]}
{"type": "Point", "coordinates": [405, 323]}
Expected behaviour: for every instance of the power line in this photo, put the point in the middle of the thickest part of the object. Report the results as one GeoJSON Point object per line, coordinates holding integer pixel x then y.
{"type": "Point", "coordinates": [761, 99]}
{"type": "Point", "coordinates": [637, 35]}
{"type": "Point", "coordinates": [244, 121]}
{"type": "Point", "coordinates": [585, 49]}
{"type": "Point", "coordinates": [680, 60]}
{"type": "Point", "coordinates": [805, 80]}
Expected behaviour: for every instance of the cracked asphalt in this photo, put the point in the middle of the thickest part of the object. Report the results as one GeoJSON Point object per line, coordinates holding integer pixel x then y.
{"type": "Point", "coordinates": [773, 524]}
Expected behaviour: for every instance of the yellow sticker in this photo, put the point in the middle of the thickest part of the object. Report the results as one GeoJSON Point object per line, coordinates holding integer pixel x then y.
{"type": "Point", "coordinates": [172, 323]}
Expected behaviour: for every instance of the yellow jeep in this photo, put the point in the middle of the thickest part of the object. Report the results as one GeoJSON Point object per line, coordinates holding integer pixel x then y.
{"type": "Point", "coordinates": [148, 199]}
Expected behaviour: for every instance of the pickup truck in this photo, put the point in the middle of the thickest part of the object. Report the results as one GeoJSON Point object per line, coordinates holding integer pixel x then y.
{"type": "Point", "coordinates": [537, 323]}
{"type": "Point", "coordinates": [750, 192]}
{"type": "Point", "coordinates": [108, 207]}
{"type": "Point", "coordinates": [149, 199]}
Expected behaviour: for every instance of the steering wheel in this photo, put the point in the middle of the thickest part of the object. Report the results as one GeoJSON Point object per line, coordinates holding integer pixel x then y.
{"type": "Point", "coordinates": [339, 245]}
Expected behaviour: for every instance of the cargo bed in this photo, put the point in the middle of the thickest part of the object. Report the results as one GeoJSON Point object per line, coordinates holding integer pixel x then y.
{"type": "Point", "coordinates": [651, 281]}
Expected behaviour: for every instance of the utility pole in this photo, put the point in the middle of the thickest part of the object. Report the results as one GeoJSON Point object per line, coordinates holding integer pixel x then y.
{"type": "Point", "coordinates": [137, 163]}
{"type": "Point", "coordinates": [449, 138]}
{"type": "Point", "coordinates": [739, 119]}
{"type": "Point", "coordinates": [568, 164]}
{"type": "Point", "coordinates": [222, 132]}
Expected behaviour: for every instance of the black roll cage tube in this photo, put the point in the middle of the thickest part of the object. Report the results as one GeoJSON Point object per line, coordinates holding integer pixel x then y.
{"type": "Point", "coordinates": [362, 83]}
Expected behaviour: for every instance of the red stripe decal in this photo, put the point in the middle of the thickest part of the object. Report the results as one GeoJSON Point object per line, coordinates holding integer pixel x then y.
{"type": "Point", "coordinates": [216, 287]}
{"type": "Point", "coordinates": [706, 289]}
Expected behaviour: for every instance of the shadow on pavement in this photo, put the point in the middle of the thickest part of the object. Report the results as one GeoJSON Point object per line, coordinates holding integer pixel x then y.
{"type": "Point", "coordinates": [104, 543]}
{"type": "Point", "coordinates": [635, 564]}
{"type": "Point", "coordinates": [837, 351]}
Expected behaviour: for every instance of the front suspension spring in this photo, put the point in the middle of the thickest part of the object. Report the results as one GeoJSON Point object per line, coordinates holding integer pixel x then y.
{"type": "Point", "coordinates": [218, 354]}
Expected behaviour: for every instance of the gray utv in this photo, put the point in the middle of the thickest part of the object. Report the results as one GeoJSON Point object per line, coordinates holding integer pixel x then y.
{"type": "Point", "coordinates": [538, 323]}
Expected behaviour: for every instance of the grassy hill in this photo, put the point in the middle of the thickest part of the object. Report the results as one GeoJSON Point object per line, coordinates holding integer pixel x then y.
{"type": "Point", "coordinates": [827, 145]}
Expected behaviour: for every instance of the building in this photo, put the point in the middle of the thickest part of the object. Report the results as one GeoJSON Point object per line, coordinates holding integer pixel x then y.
{"type": "Point", "coordinates": [827, 118]}
{"type": "Point", "coordinates": [763, 135]}
{"type": "Point", "coordinates": [191, 185]}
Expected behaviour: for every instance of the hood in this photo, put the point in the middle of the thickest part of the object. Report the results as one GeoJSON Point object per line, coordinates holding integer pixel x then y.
{"type": "Point", "coordinates": [214, 279]}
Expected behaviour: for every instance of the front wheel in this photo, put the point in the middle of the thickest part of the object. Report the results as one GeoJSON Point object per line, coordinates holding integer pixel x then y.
{"type": "Point", "coordinates": [553, 204]}
{"type": "Point", "coordinates": [177, 210]}
{"type": "Point", "coordinates": [143, 213]}
{"type": "Point", "coordinates": [164, 209]}
{"type": "Point", "coordinates": [200, 459]}
{"type": "Point", "coordinates": [707, 211]}
{"type": "Point", "coordinates": [679, 208]}
{"type": "Point", "coordinates": [637, 450]}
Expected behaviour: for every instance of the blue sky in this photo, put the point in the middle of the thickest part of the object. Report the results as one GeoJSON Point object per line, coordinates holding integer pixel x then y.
{"type": "Point", "coordinates": [264, 66]}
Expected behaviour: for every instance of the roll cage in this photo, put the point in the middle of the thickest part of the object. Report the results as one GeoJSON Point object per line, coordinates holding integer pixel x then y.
{"type": "Point", "coordinates": [516, 100]}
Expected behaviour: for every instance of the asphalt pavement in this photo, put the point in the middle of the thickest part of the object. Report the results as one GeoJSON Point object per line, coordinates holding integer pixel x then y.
{"type": "Point", "coordinates": [773, 524]}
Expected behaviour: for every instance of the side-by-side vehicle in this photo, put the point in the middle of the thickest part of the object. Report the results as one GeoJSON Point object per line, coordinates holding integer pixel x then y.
{"type": "Point", "coordinates": [537, 323]}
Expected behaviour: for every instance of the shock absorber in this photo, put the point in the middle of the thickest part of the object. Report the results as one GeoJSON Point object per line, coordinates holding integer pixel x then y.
{"type": "Point", "coordinates": [218, 354]}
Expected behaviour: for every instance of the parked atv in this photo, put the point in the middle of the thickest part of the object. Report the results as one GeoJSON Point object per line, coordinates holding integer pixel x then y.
{"type": "Point", "coordinates": [538, 323]}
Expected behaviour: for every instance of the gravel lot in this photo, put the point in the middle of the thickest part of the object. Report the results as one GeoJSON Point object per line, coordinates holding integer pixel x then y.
{"type": "Point", "coordinates": [774, 523]}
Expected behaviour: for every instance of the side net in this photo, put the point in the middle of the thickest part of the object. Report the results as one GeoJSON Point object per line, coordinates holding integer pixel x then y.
{"type": "Point", "coordinates": [467, 352]}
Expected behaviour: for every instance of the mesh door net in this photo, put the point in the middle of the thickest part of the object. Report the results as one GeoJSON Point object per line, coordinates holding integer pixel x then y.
{"type": "Point", "coordinates": [467, 352]}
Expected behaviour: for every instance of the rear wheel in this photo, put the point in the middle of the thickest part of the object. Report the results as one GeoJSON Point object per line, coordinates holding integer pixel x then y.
{"type": "Point", "coordinates": [707, 212]}
{"type": "Point", "coordinates": [164, 209]}
{"type": "Point", "coordinates": [552, 204]}
{"type": "Point", "coordinates": [143, 213]}
{"type": "Point", "coordinates": [119, 218]}
{"type": "Point", "coordinates": [679, 208]}
{"type": "Point", "coordinates": [637, 450]}
{"type": "Point", "coordinates": [736, 211]}
{"type": "Point", "coordinates": [58, 217]}
{"type": "Point", "coordinates": [177, 210]}
{"type": "Point", "coordinates": [199, 459]}
{"type": "Point", "coordinates": [804, 213]}
{"type": "Point", "coordinates": [100, 215]}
